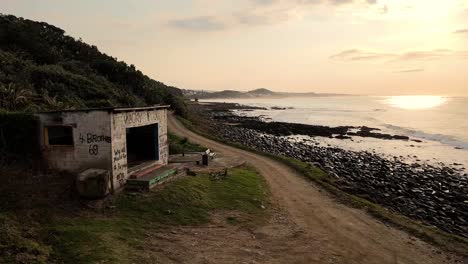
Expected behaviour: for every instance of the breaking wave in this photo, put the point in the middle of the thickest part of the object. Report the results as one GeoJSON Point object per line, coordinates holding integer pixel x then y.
{"type": "Point", "coordinates": [444, 139]}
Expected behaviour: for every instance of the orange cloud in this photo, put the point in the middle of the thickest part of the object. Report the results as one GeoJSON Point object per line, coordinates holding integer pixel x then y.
{"type": "Point", "coordinates": [361, 55]}
{"type": "Point", "coordinates": [461, 32]}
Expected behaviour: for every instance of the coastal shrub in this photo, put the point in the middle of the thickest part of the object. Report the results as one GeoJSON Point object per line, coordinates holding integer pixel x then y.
{"type": "Point", "coordinates": [178, 145]}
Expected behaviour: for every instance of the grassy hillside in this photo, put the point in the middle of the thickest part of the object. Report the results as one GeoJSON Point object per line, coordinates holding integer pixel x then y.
{"type": "Point", "coordinates": [43, 69]}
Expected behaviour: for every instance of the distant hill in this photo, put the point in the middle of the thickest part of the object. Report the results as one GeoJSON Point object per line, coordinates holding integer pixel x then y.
{"type": "Point", "coordinates": [42, 69]}
{"type": "Point", "coordinates": [257, 93]}
{"type": "Point", "coordinates": [261, 92]}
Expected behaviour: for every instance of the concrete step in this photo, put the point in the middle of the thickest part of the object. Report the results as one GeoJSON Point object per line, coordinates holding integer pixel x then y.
{"type": "Point", "coordinates": [145, 171]}
{"type": "Point", "coordinates": [150, 179]}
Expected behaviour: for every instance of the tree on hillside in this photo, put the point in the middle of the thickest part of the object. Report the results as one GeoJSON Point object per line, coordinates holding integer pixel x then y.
{"type": "Point", "coordinates": [13, 97]}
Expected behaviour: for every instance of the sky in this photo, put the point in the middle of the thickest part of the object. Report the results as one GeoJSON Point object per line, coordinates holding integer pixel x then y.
{"type": "Point", "coordinates": [379, 47]}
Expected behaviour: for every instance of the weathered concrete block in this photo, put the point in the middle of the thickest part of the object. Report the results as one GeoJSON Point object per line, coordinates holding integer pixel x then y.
{"type": "Point", "coordinates": [93, 183]}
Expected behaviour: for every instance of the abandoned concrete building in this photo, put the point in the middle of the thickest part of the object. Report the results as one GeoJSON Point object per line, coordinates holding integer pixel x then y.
{"type": "Point", "coordinates": [119, 140]}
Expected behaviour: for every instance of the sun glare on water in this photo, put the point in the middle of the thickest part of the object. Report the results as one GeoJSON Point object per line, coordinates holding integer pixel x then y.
{"type": "Point", "coordinates": [416, 102]}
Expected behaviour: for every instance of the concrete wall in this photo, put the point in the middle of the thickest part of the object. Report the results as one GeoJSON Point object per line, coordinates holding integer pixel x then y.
{"type": "Point", "coordinates": [91, 137]}
{"type": "Point", "coordinates": [123, 120]}
{"type": "Point", "coordinates": [100, 140]}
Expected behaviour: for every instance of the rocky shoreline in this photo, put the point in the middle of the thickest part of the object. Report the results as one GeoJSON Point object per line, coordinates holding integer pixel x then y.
{"type": "Point", "coordinates": [288, 129]}
{"type": "Point", "coordinates": [435, 195]}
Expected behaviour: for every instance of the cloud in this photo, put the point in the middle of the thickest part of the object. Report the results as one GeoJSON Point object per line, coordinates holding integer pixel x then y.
{"type": "Point", "coordinates": [409, 71]}
{"type": "Point", "coordinates": [201, 23]}
{"type": "Point", "coordinates": [340, 2]}
{"type": "Point", "coordinates": [461, 32]}
{"type": "Point", "coordinates": [354, 55]}
{"type": "Point", "coordinates": [257, 13]}
{"type": "Point", "coordinates": [262, 17]}
{"type": "Point", "coordinates": [254, 19]}
{"type": "Point", "coordinates": [264, 2]}
{"type": "Point", "coordinates": [312, 2]}
{"type": "Point", "coordinates": [426, 55]}
{"type": "Point", "coordinates": [360, 55]}
{"type": "Point", "coordinates": [267, 12]}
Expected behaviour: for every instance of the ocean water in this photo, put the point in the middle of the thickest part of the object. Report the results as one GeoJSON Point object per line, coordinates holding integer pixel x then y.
{"type": "Point", "coordinates": [440, 122]}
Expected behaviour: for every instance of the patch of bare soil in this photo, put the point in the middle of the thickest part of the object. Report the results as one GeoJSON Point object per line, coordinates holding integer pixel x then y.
{"type": "Point", "coordinates": [277, 241]}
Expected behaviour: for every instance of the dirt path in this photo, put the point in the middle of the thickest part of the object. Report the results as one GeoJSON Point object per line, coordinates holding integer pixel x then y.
{"type": "Point", "coordinates": [330, 232]}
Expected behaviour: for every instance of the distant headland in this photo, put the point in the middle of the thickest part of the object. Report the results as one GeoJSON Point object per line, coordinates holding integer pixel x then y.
{"type": "Point", "coordinates": [257, 93]}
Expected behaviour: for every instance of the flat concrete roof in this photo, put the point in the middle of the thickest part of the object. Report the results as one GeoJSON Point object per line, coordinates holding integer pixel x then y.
{"type": "Point", "coordinates": [110, 109]}
{"type": "Point", "coordinates": [144, 108]}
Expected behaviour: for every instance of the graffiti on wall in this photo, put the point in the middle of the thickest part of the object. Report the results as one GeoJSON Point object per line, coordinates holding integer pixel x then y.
{"type": "Point", "coordinates": [120, 164]}
{"type": "Point", "coordinates": [93, 150]}
{"type": "Point", "coordinates": [93, 140]}
{"type": "Point", "coordinates": [120, 154]}
{"type": "Point", "coordinates": [133, 118]}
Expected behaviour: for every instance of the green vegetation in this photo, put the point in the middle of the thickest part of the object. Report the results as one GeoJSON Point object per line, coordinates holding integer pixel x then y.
{"type": "Point", "coordinates": [117, 234]}
{"type": "Point", "coordinates": [18, 245]}
{"type": "Point", "coordinates": [178, 145]}
{"type": "Point", "coordinates": [190, 201]}
{"type": "Point", "coordinates": [41, 68]}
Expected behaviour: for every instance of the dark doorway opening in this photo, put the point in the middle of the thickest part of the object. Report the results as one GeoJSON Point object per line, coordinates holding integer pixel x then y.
{"type": "Point", "coordinates": [142, 144]}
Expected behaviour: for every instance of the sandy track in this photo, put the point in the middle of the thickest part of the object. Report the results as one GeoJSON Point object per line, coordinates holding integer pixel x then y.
{"type": "Point", "coordinates": [338, 232]}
